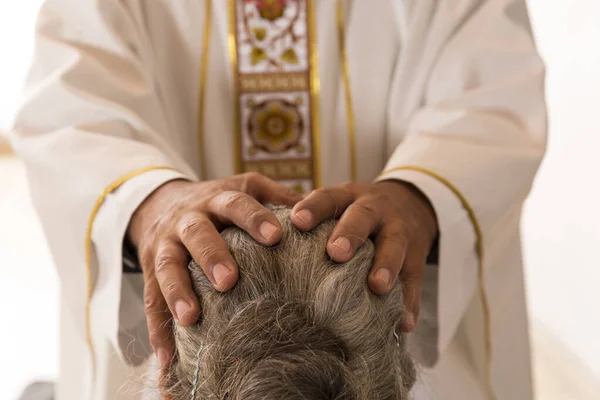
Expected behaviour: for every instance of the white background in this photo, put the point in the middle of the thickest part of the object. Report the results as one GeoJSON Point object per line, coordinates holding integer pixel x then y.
{"type": "Point", "coordinates": [562, 222]}
{"type": "Point", "coordinates": [561, 225]}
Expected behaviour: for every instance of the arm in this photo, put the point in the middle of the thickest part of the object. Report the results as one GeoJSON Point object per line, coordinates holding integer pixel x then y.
{"type": "Point", "coordinates": [474, 146]}
{"type": "Point", "coordinates": [95, 135]}
{"type": "Point", "coordinates": [92, 133]}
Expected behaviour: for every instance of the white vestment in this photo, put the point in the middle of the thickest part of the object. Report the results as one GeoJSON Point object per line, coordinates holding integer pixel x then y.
{"type": "Point", "coordinates": [446, 94]}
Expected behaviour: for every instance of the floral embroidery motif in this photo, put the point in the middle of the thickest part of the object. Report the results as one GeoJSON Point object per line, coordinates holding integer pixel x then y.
{"type": "Point", "coordinates": [269, 9]}
{"type": "Point", "coordinates": [272, 32]}
{"type": "Point", "coordinates": [275, 126]}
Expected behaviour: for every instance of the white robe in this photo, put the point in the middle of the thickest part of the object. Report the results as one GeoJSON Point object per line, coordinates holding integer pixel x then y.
{"type": "Point", "coordinates": [453, 88]}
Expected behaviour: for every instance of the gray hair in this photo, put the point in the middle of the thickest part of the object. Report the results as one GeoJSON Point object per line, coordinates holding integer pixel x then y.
{"type": "Point", "coordinates": [296, 326]}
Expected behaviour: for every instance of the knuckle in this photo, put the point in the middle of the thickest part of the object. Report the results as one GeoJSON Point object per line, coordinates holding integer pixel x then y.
{"type": "Point", "coordinates": [189, 228]}
{"type": "Point", "coordinates": [256, 216]}
{"type": "Point", "coordinates": [151, 303]}
{"type": "Point", "coordinates": [155, 335]}
{"type": "Point", "coordinates": [163, 224]}
{"type": "Point", "coordinates": [145, 257]}
{"type": "Point", "coordinates": [350, 228]}
{"type": "Point", "coordinates": [252, 176]}
{"type": "Point", "coordinates": [210, 254]}
{"type": "Point", "coordinates": [249, 180]}
{"type": "Point", "coordinates": [170, 288]}
{"type": "Point", "coordinates": [389, 261]}
{"type": "Point", "coordinates": [235, 201]}
{"type": "Point", "coordinates": [348, 186]}
{"type": "Point", "coordinates": [394, 231]}
{"type": "Point", "coordinates": [327, 192]}
{"type": "Point", "coordinates": [192, 227]}
{"type": "Point", "coordinates": [163, 262]}
{"type": "Point", "coordinates": [367, 209]}
{"type": "Point", "coordinates": [397, 241]}
{"type": "Point", "coordinates": [310, 195]}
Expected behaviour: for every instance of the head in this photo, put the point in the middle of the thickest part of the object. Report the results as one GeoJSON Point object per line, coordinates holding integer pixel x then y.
{"type": "Point", "coordinates": [296, 326]}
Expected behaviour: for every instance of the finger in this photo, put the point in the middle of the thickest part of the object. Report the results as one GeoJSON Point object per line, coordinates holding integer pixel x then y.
{"type": "Point", "coordinates": [321, 204]}
{"type": "Point", "coordinates": [172, 275]}
{"type": "Point", "coordinates": [163, 381]}
{"type": "Point", "coordinates": [411, 276]}
{"type": "Point", "coordinates": [357, 223]}
{"type": "Point", "coordinates": [242, 210]}
{"type": "Point", "coordinates": [158, 318]}
{"type": "Point", "coordinates": [209, 250]}
{"type": "Point", "coordinates": [266, 190]}
{"type": "Point", "coordinates": [390, 251]}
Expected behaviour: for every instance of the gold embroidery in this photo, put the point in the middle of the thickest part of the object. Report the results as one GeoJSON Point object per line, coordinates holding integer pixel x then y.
{"type": "Point", "coordinates": [282, 169]}
{"type": "Point", "coordinates": [273, 54]}
{"type": "Point", "coordinates": [289, 56]}
{"type": "Point", "coordinates": [487, 327]}
{"type": "Point", "coordinates": [236, 91]}
{"type": "Point", "coordinates": [347, 89]}
{"type": "Point", "coordinates": [202, 96]}
{"type": "Point", "coordinates": [259, 33]}
{"type": "Point", "coordinates": [271, 10]}
{"type": "Point", "coordinates": [297, 81]}
{"type": "Point", "coordinates": [88, 258]}
{"type": "Point", "coordinates": [275, 126]}
{"type": "Point", "coordinates": [314, 90]}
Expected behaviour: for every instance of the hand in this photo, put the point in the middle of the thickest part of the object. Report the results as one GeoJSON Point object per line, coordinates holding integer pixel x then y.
{"type": "Point", "coordinates": [397, 215]}
{"type": "Point", "coordinates": [182, 218]}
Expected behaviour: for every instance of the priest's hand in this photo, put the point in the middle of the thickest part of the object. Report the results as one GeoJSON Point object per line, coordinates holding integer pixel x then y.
{"type": "Point", "coordinates": [183, 218]}
{"type": "Point", "coordinates": [398, 217]}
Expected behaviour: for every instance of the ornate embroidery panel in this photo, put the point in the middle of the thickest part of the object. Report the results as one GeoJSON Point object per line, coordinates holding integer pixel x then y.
{"type": "Point", "coordinates": [275, 96]}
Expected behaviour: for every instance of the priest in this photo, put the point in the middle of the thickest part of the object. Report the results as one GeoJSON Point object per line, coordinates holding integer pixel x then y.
{"type": "Point", "coordinates": [149, 126]}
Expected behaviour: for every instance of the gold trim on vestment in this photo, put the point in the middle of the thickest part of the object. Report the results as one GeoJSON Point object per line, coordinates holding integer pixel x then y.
{"type": "Point", "coordinates": [347, 89]}
{"type": "Point", "coordinates": [202, 91]}
{"type": "Point", "coordinates": [235, 86]}
{"type": "Point", "coordinates": [315, 88]}
{"type": "Point", "coordinates": [480, 266]}
{"type": "Point", "coordinates": [88, 256]}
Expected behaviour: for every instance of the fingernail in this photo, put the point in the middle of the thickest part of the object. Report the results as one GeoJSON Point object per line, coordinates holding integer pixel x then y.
{"type": "Point", "coordinates": [267, 230]}
{"type": "Point", "coordinates": [163, 358]}
{"type": "Point", "coordinates": [343, 244]}
{"type": "Point", "coordinates": [220, 272]}
{"type": "Point", "coordinates": [181, 309]}
{"type": "Point", "coordinates": [383, 275]}
{"type": "Point", "coordinates": [305, 216]}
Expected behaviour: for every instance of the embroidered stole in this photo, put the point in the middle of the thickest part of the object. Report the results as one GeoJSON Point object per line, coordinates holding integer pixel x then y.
{"type": "Point", "coordinates": [274, 57]}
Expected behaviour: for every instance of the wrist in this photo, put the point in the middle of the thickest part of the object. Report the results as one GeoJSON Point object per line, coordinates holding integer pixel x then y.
{"type": "Point", "coordinates": [422, 205]}
{"type": "Point", "coordinates": [147, 211]}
